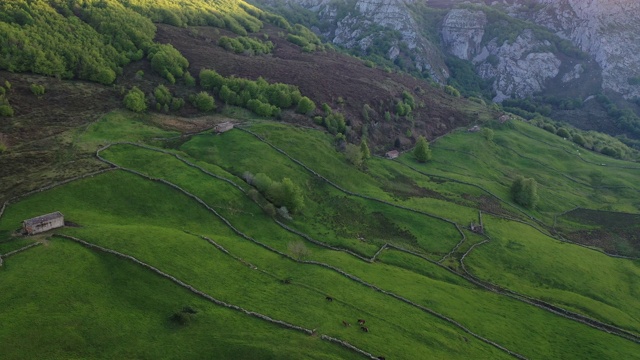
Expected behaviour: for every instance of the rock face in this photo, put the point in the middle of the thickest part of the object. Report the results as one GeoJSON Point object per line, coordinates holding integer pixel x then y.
{"type": "Point", "coordinates": [518, 69]}
{"type": "Point", "coordinates": [607, 30]}
{"type": "Point", "coordinates": [462, 32]}
{"type": "Point", "coordinates": [357, 24]}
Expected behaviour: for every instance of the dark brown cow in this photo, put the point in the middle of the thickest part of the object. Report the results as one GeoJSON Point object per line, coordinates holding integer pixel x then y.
{"type": "Point", "coordinates": [361, 321]}
{"type": "Point", "coordinates": [346, 324]}
{"type": "Point", "coordinates": [364, 328]}
{"type": "Point", "coordinates": [329, 298]}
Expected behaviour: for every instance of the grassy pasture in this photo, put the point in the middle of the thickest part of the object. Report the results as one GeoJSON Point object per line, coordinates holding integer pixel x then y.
{"type": "Point", "coordinates": [158, 225]}
{"type": "Point", "coordinates": [64, 301]}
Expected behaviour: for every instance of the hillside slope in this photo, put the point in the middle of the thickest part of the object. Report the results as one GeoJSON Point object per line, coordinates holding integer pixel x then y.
{"type": "Point", "coordinates": [560, 51]}
{"type": "Point", "coordinates": [388, 243]}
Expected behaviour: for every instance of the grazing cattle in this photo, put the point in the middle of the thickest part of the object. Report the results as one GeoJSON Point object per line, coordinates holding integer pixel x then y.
{"type": "Point", "coordinates": [346, 324]}
{"type": "Point", "coordinates": [329, 298]}
{"type": "Point", "coordinates": [361, 321]}
{"type": "Point", "coordinates": [381, 358]}
{"type": "Point", "coordinates": [364, 328]}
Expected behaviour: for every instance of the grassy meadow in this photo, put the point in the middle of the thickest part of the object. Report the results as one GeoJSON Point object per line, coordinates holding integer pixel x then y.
{"type": "Point", "coordinates": [86, 304]}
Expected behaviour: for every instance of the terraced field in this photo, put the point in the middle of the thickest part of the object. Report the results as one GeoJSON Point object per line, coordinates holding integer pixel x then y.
{"type": "Point", "coordinates": [170, 247]}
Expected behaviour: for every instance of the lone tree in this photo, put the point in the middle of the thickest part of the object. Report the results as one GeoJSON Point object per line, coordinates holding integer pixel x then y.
{"type": "Point", "coordinates": [422, 151]}
{"type": "Point", "coordinates": [353, 154]}
{"type": "Point", "coordinates": [364, 149]}
{"type": "Point", "coordinates": [135, 100]}
{"type": "Point", "coordinates": [298, 250]}
{"type": "Point", "coordinates": [525, 192]}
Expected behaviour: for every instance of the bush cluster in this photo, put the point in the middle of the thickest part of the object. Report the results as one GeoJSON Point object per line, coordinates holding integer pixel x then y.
{"type": "Point", "coordinates": [245, 44]}
{"type": "Point", "coordinates": [259, 96]}
{"type": "Point", "coordinates": [281, 193]}
{"type": "Point", "coordinates": [168, 62]}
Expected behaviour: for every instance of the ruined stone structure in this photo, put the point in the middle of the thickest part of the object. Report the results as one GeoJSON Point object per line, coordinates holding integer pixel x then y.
{"type": "Point", "coordinates": [392, 154]}
{"type": "Point", "coordinates": [223, 127]}
{"type": "Point", "coordinates": [43, 223]}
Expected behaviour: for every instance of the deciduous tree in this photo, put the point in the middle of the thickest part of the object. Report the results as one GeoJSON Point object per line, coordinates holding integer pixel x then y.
{"type": "Point", "coordinates": [422, 152]}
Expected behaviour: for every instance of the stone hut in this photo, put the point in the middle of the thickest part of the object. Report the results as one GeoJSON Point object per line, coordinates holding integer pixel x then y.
{"type": "Point", "coordinates": [473, 129]}
{"type": "Point", "coordinates": [43, 223]}
{"type": "Point", "coordinates": [223, 127]}
{"type": "Point", "coordinates": [392, 154]}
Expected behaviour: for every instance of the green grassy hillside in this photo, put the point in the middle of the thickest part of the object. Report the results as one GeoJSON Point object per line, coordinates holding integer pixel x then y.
{"type": "Point", "coordinates": [388, 243]}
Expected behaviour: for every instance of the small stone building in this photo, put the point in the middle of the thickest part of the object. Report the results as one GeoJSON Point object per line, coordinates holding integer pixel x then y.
{"type": "Point", "coordinates": [43, 223]}
{"type": "Point", "coordinates": [504, 118]}
{"type": "Point", "coordinates": [392, 154]}
{"type": "Point", "coordinates": [475, 128]}
{"type": "Point", "coordinates": [223, 127]}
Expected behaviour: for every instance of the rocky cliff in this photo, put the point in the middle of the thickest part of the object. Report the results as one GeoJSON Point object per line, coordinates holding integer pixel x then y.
{"type": "Point", "coordinates": [520, 64]}
{"type": "Point", "coordinates": [361, 24]}
{"type": "Point", "coordinates": [608, 30]}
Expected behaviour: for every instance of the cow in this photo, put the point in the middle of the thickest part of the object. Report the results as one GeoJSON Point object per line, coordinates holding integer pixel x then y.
{"type": "Point", "coordinates": [364, 328]}
{"type": "Point", "coordinates": [329, 298]}
{"type": "Point", "coordinates": [361, 321]}
{"type": "Point", "coordinates": [346, 324]}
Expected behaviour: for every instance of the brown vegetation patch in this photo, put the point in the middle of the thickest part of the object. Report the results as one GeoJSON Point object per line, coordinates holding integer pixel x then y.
{"type": "Point", "coordinates": [614, 232]}
{"type": "Point", "coordinates": [404, 188]}
{"type": "Point", "coordinates": [617, 242]}
{"type": "Point", "coordinates": [487, 204]}
{"type": "Point", "coordinates": [328, 76]}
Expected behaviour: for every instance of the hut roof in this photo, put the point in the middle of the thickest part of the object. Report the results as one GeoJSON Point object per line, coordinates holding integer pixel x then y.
{"type": "Point", "coordinates": [43, 218]}
{"type": "Point", "coordinates": [392, 154]}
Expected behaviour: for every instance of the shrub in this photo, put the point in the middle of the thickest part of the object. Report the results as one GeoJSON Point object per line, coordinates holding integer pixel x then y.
{"type": "Point", "coordinates": [270, 210]}
{"type": "Point", "coordinates": [487, 134]}
{"type": "Point", "coordinates": [135, 100]}
{"type": "Point", "coordinates": [364, 149]}
{"type": "Point", "coordinates": [6, 110]}
{"type": "Point", "coordinates": [162, 94]}
{"type": "Point", "coordinates": [564, 133]}
{"type": "Point", "coordinates": [298, 250]}
{"type": "Point", "coordinates": [579, 139]}
{"type": "Point", "coordinates": [37, 89]}
{"type": "Point", "coordinates": [298, 40]}
{"type": "Point", "coordinates": [452, 91]}
{"type": "Point", "coordinates": [204, 102]}
{"type": "Point", "coordinates": [353, 155]}
{"type": "Point", "coordinates": [305, 106]}
{"type": "Point", "coordinates": [189, 80]}
{"type": "Point", "coordinates": [210, 79]}
{"type": "Point", "coordinates": [176, 104]}
{"type": "Point", "coordinates": [550, 128]}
